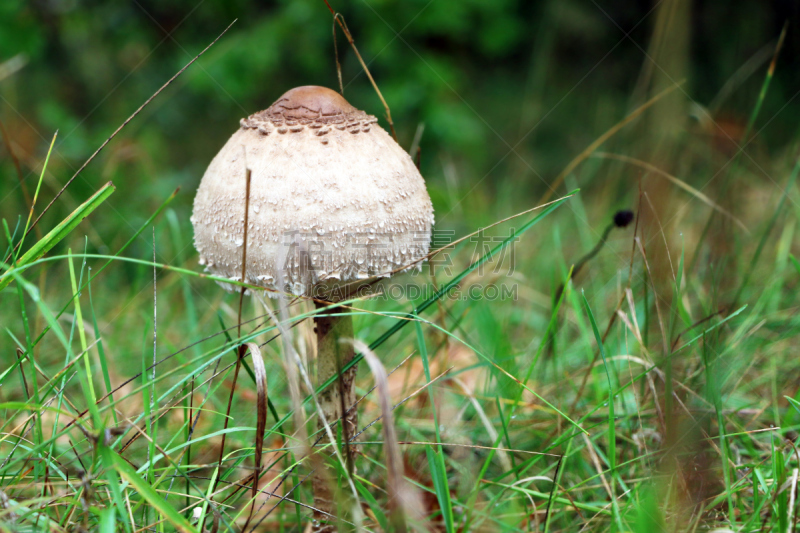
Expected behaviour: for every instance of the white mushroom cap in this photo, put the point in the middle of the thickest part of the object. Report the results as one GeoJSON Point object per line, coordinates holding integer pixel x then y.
{"type": "Point", "coordinates": [330, 190]}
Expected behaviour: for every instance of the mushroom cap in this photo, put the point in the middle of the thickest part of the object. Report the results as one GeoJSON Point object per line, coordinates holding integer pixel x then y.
{"type": "Point", "coordinates": [333, 198]}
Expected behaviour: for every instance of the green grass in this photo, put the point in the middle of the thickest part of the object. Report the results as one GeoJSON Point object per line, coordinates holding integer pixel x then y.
{"type": "Point", "coordinates": [657, 391]}
{"type": "Point", "coordinates": [77, 456]}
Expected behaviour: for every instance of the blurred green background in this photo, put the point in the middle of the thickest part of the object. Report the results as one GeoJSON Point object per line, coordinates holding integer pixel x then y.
{"type": "Point", "coordinates": [508, 91]}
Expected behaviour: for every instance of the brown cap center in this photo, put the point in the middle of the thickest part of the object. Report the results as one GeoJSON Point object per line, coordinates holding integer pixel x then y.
{"type": "Point", "coordinates": [305, 106]}
{"type": "Point", "coordinates": [310, 102]}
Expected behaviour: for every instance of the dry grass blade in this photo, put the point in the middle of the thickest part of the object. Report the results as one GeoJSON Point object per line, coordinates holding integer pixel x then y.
{"type": "Point", "coordinates": [215, 520]}
{"type": "Point", "coordinates": [11, 66]}
{"type": "Point", "coordinates": [401, 499]}
{"type": "Point", "coordinates": [501, 454]}
{"type": "Point", "coordinates": [152, 392]}
{"type": "Point", "coordinates": [241, 351]}
{"type": "Point", "coordinates": [339, 19]}
{"type": "Point", "coordinates": [20, 353]}
{"type": "Point", "coordinates": [291, 369]}
{"type": "Point", "coordinates": [580, 158]}
{"type": "Point", "coordinates": [248, 178]}
{"type": "Point", "coordinates": [598, 467]}
{"type": "Point", "coordinates": [680, 183]}
{"type": "Point", "coordinates": [473, 446]}
{"type": "Point", "coordinates": [336, 56]}
{"type": "Point", "coordinates": [414, 150]}
{"type": "Point", "coordinates": [261, 423]}
{"type": "Point", "coordinates": [261, 383]}
{"type": "Point", "coordinates": [404, 400]}
{"type": "Point", "coordinates": [747, 69]}
{"type": "Point", "coordinates": [664, 338]}
{"type": "Point", "coordinates": [285, 497]}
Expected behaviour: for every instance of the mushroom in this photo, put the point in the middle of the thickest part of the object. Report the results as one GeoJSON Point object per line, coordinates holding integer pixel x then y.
{"type": "Point", "coordinates": [334, 202]}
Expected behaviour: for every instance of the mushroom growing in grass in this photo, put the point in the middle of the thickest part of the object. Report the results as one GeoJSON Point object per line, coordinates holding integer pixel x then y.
{"type": "Point", "coordinates": [334, 202]}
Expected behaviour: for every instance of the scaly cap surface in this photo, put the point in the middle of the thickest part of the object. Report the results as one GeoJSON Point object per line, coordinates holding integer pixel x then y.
{"type": "Point", "coordinates": [333, 198]}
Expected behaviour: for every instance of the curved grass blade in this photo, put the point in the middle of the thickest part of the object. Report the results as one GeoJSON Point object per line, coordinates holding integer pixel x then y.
{"type": "Point", "coordinates": [399, 497]}
{"type": "Point", "coordinates": [261, 423]}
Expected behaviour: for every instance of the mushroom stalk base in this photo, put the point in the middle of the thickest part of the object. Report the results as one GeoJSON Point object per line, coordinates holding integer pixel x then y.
{"type": "Point", "coordinates": [331, 356]}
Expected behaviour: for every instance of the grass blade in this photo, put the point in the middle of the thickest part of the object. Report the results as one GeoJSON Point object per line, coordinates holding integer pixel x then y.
{"type": "Point", "coordinates": [434, 455]}
{"type": "Point", "coordinates": [149, 494]}
{"type": "Point", "coordinates": [36, 194]}
{"type": "Point", "coordinates": [396, 486]}
{"type": "Point", "coordinates": [410, 317]}
{"type": "Point", "coordinates": [58, 233]}
{"type": "Point", "coordinates": [612, 435]}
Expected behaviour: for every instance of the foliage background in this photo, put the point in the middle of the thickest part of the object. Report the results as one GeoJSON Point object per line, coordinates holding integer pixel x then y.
{"type": "Point", "coordinates": [479, 75]}
{"type": "Point", "coordinates": [508, 92]}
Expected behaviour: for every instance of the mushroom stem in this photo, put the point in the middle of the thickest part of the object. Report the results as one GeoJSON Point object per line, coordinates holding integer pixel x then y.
{"type": "Point", "coordinates": [332, 355]}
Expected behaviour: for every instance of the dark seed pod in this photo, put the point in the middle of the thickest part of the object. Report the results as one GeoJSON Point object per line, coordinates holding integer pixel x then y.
{"type": "Point", "coordinates": [623, 217]}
